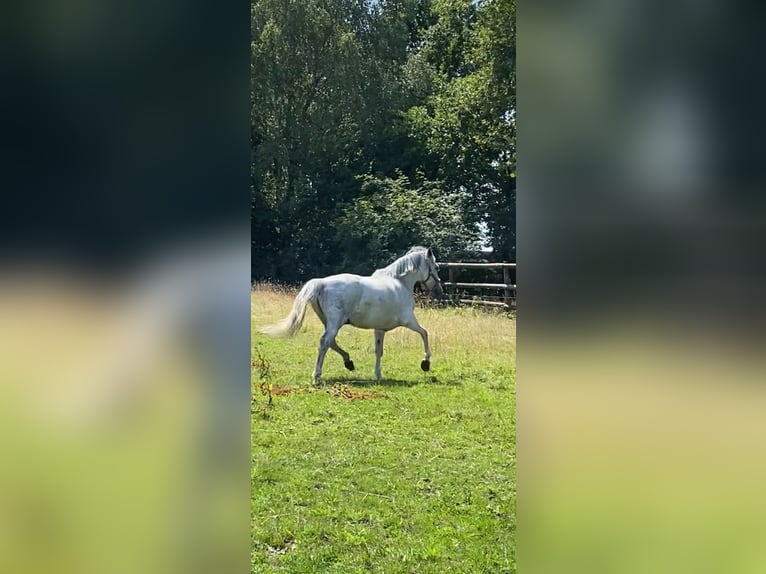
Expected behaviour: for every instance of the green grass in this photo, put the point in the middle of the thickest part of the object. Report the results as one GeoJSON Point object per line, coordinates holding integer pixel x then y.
{"type": "Point", "coordinates": [421, 479]}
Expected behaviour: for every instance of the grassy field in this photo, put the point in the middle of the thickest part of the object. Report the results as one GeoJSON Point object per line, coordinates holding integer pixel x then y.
{"type": "Point", "coordinates": [415, 475]}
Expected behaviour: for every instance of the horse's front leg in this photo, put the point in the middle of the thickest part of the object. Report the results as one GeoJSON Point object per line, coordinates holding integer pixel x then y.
{"type": "Point", "coordinates": [413, 324]}
{"type": "Point", "coordinates": [378, 352]}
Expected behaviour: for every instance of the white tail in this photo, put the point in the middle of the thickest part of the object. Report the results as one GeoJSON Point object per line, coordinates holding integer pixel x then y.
{"type": "Point", "coordinates": [288, 326]}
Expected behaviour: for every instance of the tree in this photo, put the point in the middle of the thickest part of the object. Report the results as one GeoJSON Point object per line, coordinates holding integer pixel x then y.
{"type": "Point", "coordinates": [469, 119]}
{"type": "Point", "coordinates": [368, 112]}
{"type": "Point", "coordinates": [306, 82]}
{"type": "Point", "coordinates": [392, 215]}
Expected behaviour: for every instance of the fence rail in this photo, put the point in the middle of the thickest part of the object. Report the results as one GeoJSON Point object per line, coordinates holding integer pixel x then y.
{"type": "Point", "coordinates": [508, 288]}
{"type": "Point", "coordinates": [481, 285]}
{"type": "Point", "coordinates": [478, 265]}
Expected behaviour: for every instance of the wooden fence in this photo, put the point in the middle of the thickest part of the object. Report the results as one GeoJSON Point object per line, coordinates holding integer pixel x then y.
{"type": "Point", "coordinates": [456, 289]}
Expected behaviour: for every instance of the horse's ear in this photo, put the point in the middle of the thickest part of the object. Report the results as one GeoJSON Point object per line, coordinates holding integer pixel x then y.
{"type": "Point", "coordinates": [430, 253]}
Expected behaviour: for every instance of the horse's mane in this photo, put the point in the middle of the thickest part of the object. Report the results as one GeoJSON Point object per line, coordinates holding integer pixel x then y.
{"type": "Point", "coordinates": [405, 264]}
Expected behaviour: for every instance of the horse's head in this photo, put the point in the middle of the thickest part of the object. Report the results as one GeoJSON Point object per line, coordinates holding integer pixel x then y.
{"type": "Point", "coordinates": [430, 275]}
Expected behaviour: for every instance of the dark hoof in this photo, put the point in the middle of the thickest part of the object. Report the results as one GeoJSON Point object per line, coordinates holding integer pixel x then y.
{"type": "Point", "coordinates": [425, 365]}
{"type": "Point", "coordinates": [349, 365]}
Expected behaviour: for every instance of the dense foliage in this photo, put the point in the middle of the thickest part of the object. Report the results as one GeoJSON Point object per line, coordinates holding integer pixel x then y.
{"type": "Point", "coordinates": [379, 124]}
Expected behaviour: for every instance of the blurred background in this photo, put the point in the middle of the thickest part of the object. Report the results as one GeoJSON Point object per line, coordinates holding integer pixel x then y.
{"type": "Point", "coordinates": [641, 230]}
{"type": "Point", "coordinates": [124, 287]}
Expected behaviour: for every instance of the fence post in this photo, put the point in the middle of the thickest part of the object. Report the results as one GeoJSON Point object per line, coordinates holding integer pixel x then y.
{"type": "Point", "coordinates": [507, 281]}
{"type": "Point", "coordinates": [451, 271]}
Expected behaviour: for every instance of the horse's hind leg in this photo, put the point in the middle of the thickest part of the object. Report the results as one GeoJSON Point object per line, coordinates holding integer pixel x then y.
{"type": "Point", "coordinates": [325, 343]}
{"type": "Point", "coordinates": [347, 362]}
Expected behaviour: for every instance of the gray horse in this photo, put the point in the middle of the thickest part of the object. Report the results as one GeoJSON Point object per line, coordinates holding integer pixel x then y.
{"type": "Point", "coordinates": [381, 302]}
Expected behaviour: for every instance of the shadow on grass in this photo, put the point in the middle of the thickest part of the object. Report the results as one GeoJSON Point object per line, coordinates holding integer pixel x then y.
{"type": "Point", "coordinates": [357, 382]}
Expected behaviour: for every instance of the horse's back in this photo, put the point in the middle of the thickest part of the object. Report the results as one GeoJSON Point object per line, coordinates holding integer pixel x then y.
{"type": "Point", "coordinates": [343, 278]}
{"type": "Point", "coordinates": [341, 292]}
{"type": "Point", "coordinates": [343, 282]}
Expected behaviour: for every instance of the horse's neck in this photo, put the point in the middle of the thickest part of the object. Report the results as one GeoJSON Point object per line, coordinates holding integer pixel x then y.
{"type": "Point", "coordinates": [409, 281]}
